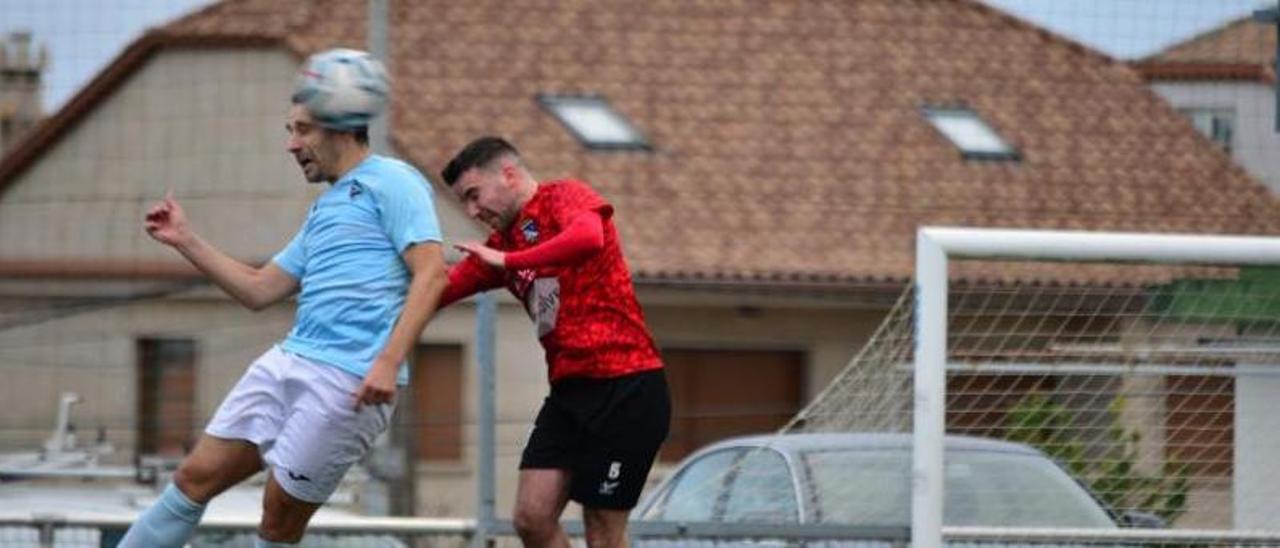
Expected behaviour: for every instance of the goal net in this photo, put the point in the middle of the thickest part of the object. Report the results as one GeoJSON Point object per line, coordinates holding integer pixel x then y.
{"type": "Point", "coordinates": [1147, 367]}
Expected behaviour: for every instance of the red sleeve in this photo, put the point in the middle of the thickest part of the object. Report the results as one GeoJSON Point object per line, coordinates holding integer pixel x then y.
{"type": "Point", "coordinates": [573, 197]}
{"type": "Point", "coordinates": [582, 238]}
{"type": "Point", "coordinates": [467, 278]}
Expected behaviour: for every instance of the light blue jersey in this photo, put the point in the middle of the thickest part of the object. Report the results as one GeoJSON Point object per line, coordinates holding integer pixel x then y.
{"type": "Point", "coordinates": [347, 258]}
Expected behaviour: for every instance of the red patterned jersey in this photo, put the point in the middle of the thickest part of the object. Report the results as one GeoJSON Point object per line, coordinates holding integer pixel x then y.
{"type": "Point", "coordinates": [586, 314]}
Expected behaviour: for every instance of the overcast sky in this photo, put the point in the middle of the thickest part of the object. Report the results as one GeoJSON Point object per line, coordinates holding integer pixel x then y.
{"type": "Point", "coordinates": [83, 35]}
{"type": "Point", "coordinates": [1130, 28]}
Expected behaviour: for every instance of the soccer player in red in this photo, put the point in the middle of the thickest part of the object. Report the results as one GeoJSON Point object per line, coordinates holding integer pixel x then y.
{"type": "Point", "coordinates": [554, 246]}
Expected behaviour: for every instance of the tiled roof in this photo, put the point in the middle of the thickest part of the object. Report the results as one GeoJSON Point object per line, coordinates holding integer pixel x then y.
{"type": "Point", "coordinates": [1241, 50]}
{"type": "Point", "coordinates": [788, 138]}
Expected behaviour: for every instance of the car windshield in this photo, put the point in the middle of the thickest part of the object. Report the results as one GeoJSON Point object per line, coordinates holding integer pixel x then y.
{"type": "Point", "coordinates": [734, 485]}
{"type": "Point", "coordinates": [983, 488]}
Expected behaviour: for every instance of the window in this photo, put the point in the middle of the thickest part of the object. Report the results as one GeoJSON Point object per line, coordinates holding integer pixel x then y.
{"type": "Point", "coordinates": [437, 401]}
{"type": "Point", "coordinates": [1218, 124]}
{"type": "Point", "coordinates": [863, 485]}
{"type": "Point", "coordinates": [694, 495]}
{"type": "Point", "coordinates": [596, 124]}
{"type": "Point", "coordinates": [761, 490]}
{"type": "Point", "coordinates": [735, 485]}
{"type": "Point", "coordinates": [870, 485]}
{"type": "Point", "coordinates": [166, 396]}
{"type": "Point", "coordinates": [984, 487]}
{"type": "Point", "coordinates": [970, 133]}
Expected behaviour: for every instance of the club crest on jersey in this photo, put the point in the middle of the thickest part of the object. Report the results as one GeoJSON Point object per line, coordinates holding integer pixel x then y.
{"type": "Point", "coordinates": [530, 230]}
{"type": "Point", "coordinates": [356, 189]}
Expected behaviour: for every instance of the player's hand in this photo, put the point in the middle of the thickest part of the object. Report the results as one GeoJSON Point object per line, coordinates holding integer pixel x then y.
{"type": "Point", "coordinates": [167, 223]}
{"type": "Point", "coordinates": [486, 254]}
{"type": "Point", "coordinates": [379, 385]}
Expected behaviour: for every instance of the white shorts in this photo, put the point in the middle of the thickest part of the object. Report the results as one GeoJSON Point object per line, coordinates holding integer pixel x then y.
{"type": "Point", "coordinates": [301, 415]}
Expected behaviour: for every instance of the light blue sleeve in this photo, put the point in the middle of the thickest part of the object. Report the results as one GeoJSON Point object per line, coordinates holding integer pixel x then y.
{"type": "Point", "coordinates": [407, 211]}
{"type": "Point", "coordinates": [293, 258]}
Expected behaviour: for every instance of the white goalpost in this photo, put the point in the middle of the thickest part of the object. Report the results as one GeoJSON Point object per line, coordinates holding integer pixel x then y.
{"type": "Point", "coordinates": [1219, 334]}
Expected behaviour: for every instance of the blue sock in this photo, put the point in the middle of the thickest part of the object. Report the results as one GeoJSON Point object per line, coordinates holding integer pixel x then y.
{"type": "Point", "coordinates": [260, 543]}
{"type": "Point", "coordinates": [168, 523]}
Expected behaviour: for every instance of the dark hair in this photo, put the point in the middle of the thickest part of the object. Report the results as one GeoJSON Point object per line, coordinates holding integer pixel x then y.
{"type": "Point", "coordinates": [361, 134]}
{"type": "Point", "coordinates": [479, 153]}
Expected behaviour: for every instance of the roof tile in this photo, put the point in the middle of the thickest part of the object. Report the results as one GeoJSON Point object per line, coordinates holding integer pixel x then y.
{"type": "Point", "coordinates": [1243, 49]}
{"type": "Point", "coordinates": [788, 139]}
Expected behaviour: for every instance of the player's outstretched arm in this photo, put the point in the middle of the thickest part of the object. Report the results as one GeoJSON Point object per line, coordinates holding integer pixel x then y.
{"type": "Point", "coordinates": [581, 239]}
{"type": "Point", "coordinates": [426, 264]}
{"type": "Point", "coordinates": [254, 287]}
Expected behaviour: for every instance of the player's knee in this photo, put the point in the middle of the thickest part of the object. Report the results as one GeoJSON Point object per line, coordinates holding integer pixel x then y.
{"type": "Point", "coordinates": [278, 527]}
{"type": "Point", "coordinates": [534, 523]}
{"type": "Point", "coordinates": [603, 539]}
{"type": "Point", "coordinates": [605, 529]}
{"type": "Point", "coordinates": [197, 481]}
{"type": "Point", "coordinates": [284, 518]}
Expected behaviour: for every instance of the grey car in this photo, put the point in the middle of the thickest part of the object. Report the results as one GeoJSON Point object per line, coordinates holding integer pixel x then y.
{"type": "Point", "coordinates": [863, 479]}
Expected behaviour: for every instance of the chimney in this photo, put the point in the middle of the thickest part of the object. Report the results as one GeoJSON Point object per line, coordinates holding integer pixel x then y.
{"type": "Point", "coordinates": [20, 74]}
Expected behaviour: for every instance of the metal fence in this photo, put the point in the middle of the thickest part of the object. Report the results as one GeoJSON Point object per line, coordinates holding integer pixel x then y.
{"type": "Point", "coordinates": [85, 532]}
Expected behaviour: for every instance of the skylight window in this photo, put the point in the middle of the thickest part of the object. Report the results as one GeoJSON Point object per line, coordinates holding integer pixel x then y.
{"type": "Point", "coordinates": [594, 122]}
{"type": "Point", "coordinates": [970, 133]}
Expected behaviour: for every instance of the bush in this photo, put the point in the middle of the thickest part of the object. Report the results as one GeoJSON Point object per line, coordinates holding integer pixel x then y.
{"type": "Point", "coordinates": [1113, 474]}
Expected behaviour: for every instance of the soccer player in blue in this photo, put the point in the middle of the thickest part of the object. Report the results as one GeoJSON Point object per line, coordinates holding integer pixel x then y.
{"type": "Point", "coordinates": [368, 267]}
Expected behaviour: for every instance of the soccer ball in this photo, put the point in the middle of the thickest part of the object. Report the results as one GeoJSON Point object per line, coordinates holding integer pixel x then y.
{"type": "Point", "coordinates": [342, 88]}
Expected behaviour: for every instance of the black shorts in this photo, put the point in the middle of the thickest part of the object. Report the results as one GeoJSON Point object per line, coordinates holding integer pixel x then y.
{"type": "Point", "coordinates": [605, 432]}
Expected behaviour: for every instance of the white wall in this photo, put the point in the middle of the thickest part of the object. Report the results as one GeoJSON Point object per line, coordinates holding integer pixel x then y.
{"type": "Point", "coordinates": [1255, 485]}
{"type": "Point", "coordinates": [1256, 144]}
{"type": "Point", "coordinates": [208, 124]}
